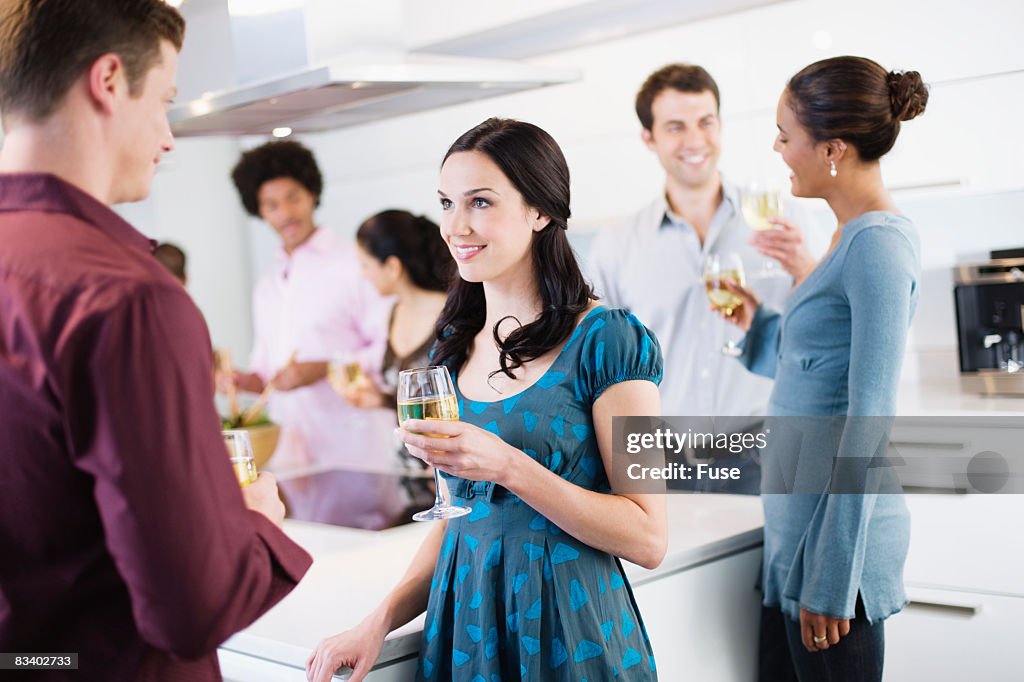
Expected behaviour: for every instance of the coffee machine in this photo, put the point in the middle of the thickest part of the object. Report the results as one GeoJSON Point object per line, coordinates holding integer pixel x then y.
{"type": "Point", "coordinates": [989, 301]}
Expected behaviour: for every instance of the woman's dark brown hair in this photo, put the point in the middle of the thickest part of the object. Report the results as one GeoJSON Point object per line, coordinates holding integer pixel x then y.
{"type": "Point", "coordinates": [534, 164]}
{"type": "Point", "coordinates": [46, 45]}
{"type": "Point", "coordinates": [856, 100]}
{"type": "Point", "coordinates": [415, 241]}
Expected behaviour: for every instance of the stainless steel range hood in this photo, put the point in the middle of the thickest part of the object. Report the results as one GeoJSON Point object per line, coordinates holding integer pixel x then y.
{"type": "Point", "coordinates": [355, 90]}
{"type": "Point", "coordinates": [315, 65]}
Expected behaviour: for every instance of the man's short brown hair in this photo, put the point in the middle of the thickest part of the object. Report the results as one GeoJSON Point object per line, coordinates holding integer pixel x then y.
{"type": "Point", "coordinates": [45, 45]}
{"type": "Point", "coordinates": [681, 77]}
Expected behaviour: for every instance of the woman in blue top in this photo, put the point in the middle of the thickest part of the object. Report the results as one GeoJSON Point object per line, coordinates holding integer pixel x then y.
{"type": "Point", "coordinates": [529, 585]}
{"type": "Point", "coordinates": [833, 563]}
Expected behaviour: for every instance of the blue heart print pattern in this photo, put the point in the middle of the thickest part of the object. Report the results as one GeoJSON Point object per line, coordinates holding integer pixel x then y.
{"type": "Point", "coordinates": [514, 597]}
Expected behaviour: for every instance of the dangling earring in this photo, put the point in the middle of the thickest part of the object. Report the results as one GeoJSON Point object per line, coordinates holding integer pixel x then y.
{"type": "Point", "coordinates": [832, 169]}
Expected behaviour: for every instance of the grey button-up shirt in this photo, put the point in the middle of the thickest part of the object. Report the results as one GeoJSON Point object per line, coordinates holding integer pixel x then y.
{"type": "Point", "coordinates": [652, 265]}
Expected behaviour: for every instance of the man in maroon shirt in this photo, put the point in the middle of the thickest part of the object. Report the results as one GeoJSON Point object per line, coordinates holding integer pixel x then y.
{"type": "Point", "coordinates": [123, 535]}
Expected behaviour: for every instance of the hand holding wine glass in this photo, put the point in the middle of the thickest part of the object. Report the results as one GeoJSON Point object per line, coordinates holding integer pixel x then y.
{"type": "Point", "coordinates": [348, 379]}
{"type": "Point", "coordinates": [725, 283]}
{"type": "Point", "coordinates": [786, 244]}
{"type": "Point", "coordinates": [719, 269]}
{"type": "Point", "coordinates": [742, 315]}
{"type": "Point", "coordinates": [344, 370]}
{"type": "Point", "coordinates": [462, 449]}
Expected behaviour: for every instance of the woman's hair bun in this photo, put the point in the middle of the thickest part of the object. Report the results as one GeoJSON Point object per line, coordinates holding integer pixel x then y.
{"type": "Point", "coordinates": [907, 93]}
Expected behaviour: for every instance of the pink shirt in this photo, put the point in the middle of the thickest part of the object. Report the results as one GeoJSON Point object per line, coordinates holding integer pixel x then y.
{"type": "Point", "coordinates": [315, 303]}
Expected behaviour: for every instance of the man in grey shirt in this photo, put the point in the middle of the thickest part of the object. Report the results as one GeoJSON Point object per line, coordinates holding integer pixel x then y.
{"type": "Point", "coordinates": [652, 264]}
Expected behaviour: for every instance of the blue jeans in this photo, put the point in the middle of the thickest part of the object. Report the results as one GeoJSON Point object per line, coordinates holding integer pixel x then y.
{"type": "Point", "coordinates": [857, 658]}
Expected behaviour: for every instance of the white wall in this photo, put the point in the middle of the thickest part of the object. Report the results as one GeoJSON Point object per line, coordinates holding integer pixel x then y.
{"type": "Point", "coordinates": [968, 142]}
{"type": "Point", "coordinates": [194, 205]}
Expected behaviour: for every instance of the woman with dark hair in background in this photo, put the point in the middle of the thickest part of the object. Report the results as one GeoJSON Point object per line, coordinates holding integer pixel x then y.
{"type": "Point", "coordinates": [404, 256]}
{"type": "Point", "coordinates": [529, 585]}
{"type": "Point", "coordinates": [833, 563]}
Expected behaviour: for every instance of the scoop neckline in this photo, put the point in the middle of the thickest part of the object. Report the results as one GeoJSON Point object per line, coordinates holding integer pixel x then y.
{"type": "Point", "coordinates": [549, 370]}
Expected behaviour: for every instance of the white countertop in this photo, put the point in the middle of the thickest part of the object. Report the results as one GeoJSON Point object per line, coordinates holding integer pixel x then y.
{"type": "Point", "coordinates": [943, 397]}
{"type": "Point", "coordinates": [353, 570]}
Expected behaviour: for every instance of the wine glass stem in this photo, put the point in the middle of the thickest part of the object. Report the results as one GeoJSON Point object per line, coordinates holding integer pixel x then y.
{"type": "Point", "coordinates": [438, 500]}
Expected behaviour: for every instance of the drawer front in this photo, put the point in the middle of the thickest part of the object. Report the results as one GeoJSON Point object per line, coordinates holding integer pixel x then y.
{"type": "Point", "coordinates": [948, 636]}
{"type": "Point", "coordinates": [966, 542]}
{"type": "Point", "coordinates": [936, 455]}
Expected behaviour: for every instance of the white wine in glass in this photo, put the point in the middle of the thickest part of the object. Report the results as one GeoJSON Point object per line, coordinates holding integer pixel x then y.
{"type": "Point", "coordinates": [428, 393]}
{"type": "Point", "coordinates": [718, 269]}
{"type": "Point", "coordinates": [239, 446]}
{"type": "Point", "coordinates": [344, 371]}
{"type": "Point", "coordinates": [759, 206]}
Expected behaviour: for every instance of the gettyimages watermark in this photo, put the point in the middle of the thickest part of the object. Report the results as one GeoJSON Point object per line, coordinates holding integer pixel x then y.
{"type": "Point", "coordinates": [814, 455]}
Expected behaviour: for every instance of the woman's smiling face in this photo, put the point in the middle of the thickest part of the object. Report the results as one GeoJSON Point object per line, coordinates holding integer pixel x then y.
{"type": "Point", "coordinates": [804, 156]}
{"type": "Point", "coordinates": [484, 220]}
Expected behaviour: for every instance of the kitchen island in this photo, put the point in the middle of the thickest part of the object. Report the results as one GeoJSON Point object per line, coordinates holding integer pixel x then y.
{"type": "Point", "coordinates": [700, 606]}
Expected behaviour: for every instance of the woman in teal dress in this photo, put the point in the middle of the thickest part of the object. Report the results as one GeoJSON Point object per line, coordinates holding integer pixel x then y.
{"type": "Point", "coordinates": [833, 563]}
{"type": "Point", "coordinates": [529, 586]}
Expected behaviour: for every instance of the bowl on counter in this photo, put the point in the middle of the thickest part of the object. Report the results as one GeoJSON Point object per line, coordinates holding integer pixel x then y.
{"type": "Point", "coordinates": [264, 441]}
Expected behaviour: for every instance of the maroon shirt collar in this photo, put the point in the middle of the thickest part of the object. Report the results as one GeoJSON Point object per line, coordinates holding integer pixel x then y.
{"type": "Point", "coordinates": [49, 194]}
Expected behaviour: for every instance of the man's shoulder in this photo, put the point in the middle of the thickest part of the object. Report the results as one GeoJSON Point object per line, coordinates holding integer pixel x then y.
{"type": "Point", "coordinates": [69, 256]}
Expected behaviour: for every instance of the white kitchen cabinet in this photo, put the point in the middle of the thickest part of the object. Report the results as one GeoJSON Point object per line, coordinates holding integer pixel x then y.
{"type": "Point", "coordinates": [963, 571]}
{"type": "Point", "coordinates": [967, 542]}
{"type": "Point", "coordinates": [950, 636]}
{"type": "Point", "coordinates": [936, 148]}
{"type": "Point", "coordinates": [703, 621]}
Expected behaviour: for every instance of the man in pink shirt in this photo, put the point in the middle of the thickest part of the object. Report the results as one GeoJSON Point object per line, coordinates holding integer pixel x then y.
{"type": "Point", "coordinates": [311, 305]}
{"type": "Point", "coordinates": [126, 545]}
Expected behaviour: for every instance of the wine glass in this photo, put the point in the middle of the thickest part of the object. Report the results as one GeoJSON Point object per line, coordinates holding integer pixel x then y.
{"type": "Point", "coordinates": [718, 269]}
{"type": "Point", "coordinates": [760, 202]}
{"type": "Point", "coordinates": [344, 370]}
{"type": "Point", "coordinates": [428, 393]}
{"type": "Point", "coordinates": [239, 446]}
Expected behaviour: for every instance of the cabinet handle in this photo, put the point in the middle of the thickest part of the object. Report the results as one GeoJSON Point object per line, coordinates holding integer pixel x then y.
{"type": "Point", "coordinates": [951, 489]}
{"type": "Point", "coordinates": [969, 610]}
{"type": "Point", "coordinates": [921, 444]}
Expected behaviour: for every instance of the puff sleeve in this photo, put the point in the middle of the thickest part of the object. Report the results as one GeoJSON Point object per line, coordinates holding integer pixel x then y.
{"type": "Point", "coordinates": [617, 347]}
